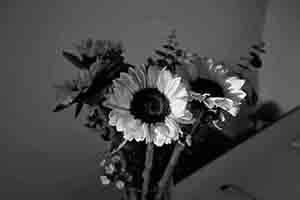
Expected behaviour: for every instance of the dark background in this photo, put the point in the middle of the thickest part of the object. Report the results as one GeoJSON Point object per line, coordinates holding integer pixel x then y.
{"type": "Point", "coordinates": [45, 155]}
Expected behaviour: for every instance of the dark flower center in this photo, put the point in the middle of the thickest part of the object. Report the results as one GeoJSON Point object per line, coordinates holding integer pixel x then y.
{"type": "Point", "coordinates": [150, 105]}
{"type": "Point", "coordinates": [207, 86]}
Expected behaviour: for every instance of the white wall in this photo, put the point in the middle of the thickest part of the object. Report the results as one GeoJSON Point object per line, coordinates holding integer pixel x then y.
{"type": "Point", "coordinates": [279, 79]}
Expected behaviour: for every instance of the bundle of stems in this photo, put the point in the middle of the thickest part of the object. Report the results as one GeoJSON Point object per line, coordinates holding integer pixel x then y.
{"type": "Point", "coordinates": [166, 182]}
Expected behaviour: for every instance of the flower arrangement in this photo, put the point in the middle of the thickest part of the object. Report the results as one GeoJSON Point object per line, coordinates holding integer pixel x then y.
{"type": "Point", "coordinates": [152, 114]}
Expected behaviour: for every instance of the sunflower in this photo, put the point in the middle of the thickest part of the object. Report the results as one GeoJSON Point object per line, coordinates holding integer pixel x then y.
{"type": "Point", "coordinates": [148, 105]}
{"type": "Point", "coordinates": [218, 89]}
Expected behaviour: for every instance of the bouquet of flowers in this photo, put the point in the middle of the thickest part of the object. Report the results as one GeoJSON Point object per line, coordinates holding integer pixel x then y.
{"type": "Point", "coordinates": [152, 115]}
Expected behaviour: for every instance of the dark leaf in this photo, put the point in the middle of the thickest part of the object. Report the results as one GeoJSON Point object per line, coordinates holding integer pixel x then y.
{"type": "Point", "coordinates": [171, 57]}
{"type": "Point", "coordinates": [150, 61]}
{"type": "Point", "coordinates": [243, 66]}
{"type": "Point", "coordinates": [74, 60]}
{"type": "Point", "coordinates": [169, 47]}
{"type": "Point", "coordinates": [88, 61]}
{"type": "Point", "coordinates": [179, 52]}
{"type": "Point", "coordinates": [254, 54]}
{"type": "Point", "coordinates": [259, 48]}
{"type": "Point", "coordinates": [79, 107]}
{"type": "Point", "coordinates": [255, 61]}
{"type": "Point", "coordinates": [161, 53]}
{"type": "Point", "coordinates": [63, 105]}
{"type": "Point", "coordinates": [252, 98]}
{"type": "Point", "coordinates": [269, 111]}
{"type": "Point", "coordinates": [174, 63]}
{"type": "Point", "coordinates": [162, 63]}
{"type": "Point", "coordinates": [101, 80]}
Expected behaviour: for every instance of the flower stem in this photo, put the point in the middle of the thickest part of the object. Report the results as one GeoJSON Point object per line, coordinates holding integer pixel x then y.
{"type": "Point", "coordinates": [147, 170]}
{"type": "Point", "coordinates": [166, 179]}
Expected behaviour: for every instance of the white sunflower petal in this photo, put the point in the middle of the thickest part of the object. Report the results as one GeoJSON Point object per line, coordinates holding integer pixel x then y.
{"type": "Point", "coordinates": [173, 128]}
{"type": "Point", "coordinates": [138, 134]}
{"type": "Point", "coordinates": [122, 97]}
{"type": "Point", "coordinates": [234, 110]}
{"type": "Point", "coordinates": [141, 73]}
{"type": "Point", "coordinates": [172, 87]}
{"type": "Point", "coordinates": [120, 125]}
{"type": "Point", "coordinates": [164, 77]}
{"type": "Point", "coordinates": [133, 130]}
{"type": "Point", "coordinates": [132, 72]}
{"type": "Point", "coordinates": [178, 107]}
{"type": "Point", "coordinates": [235, 83]}
{"type": "Point", "coordinates": [221, 102]}
{"type": "Point", "coordinates": [160, 135]}
{"type": "Point", "coordinates": [115, 115]}
{"type": "Point", "coordinates": [152, 76]}
{"type": "Point", "coordinates": [129, 81]}
{"type": "Point", "coordinates": [180, 93]}
{"type": "Point", "coordinates": [147, 131]}
{"type": "Point", "coordinates": [237, 95]}
{"type": "Point", "coordinates": [187, 118]}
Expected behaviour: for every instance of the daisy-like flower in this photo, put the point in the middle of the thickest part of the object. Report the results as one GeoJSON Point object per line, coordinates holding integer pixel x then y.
{"type": "Point", "coordinates": [148, 105]}
{"type": "Point", "coordinates": [219, 89]}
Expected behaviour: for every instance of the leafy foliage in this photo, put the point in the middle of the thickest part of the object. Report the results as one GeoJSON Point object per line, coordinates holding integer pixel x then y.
{"type": "Point", "coordinates": [169, 55]}
{"type": "Point", "coordinates": [99, 63]}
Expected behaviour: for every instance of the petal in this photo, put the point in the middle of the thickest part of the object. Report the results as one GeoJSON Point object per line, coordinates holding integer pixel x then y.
{"type": "Point", "coordinates": [178, 107]}
{"type": "Point", "coordinates": [225, 104]}
{"type": "Point", "coordinates": [160, 135]}
{"type": "Point", "coordinates": [172, 86]}
{"type": "Point", "coordinates": [236, 95]}
{"type": "Point", "coordinates": [146, 130]}
{"type": "Point", "coordinates": [234, 111]}
{"type": "Point", "coordinates": [234, 83]}
{"type": "Point", "coordinates": [180, 93]}
{"type": "Point", "coordinates": [113, 118]}
{"type": "Point", "coordinates": [134, 130]}
{"type": "Point", "coordinates": [121, 84]}
{"type": "Point", "coordinates": [141, 74]}
{"type": "Point", "coordinates": [164, 77]}
{"type": "Point", "coordinates": [122, 97]}
{"type": "Point", "coordinates": [173, 128]}
{"type": "Point", "coordinates": [115, 115]}
{"type": "Point", "coordinates": [132, 72]}
{"type": "Point", "coordinates": [153, 73]}
{"type": "Point", "coordinates": [186, 119]}
{"type": "Point", "coordinates": [129, 81]}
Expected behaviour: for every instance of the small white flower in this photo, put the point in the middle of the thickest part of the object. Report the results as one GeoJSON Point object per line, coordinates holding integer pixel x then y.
{"type": "Point", "coordinates": [102, 163]}
{"type": "Point", "coordinates": [104, 180]}
{"type": "Point", "coordinates": [109, 169]}
{"type": "Point", "coordinates": [120, 184]}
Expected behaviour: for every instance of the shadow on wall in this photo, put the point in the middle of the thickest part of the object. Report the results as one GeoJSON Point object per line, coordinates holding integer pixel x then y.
{"type": "Point", "coordinates": [279, 79]}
